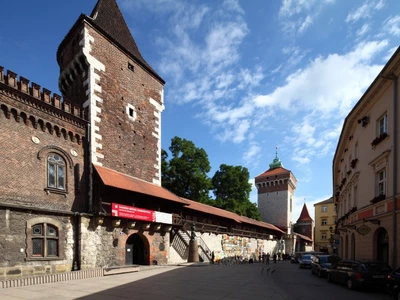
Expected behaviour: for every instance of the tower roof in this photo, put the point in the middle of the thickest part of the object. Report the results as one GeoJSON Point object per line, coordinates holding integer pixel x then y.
{"type": "Point", "coordinates": [108, 19]}
{"type": "Point", "coordinates": [304, 216]}
{"type": "Point", "coordinates": [276, 163]}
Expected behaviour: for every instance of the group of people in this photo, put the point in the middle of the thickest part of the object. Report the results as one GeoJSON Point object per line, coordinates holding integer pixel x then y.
{"type": "Point", "coordinates": [280, 256]}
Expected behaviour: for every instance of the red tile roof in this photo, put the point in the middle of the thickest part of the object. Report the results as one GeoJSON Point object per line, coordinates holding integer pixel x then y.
{"type": "Point", "coordinates": [275, 171]}
{"type": "Point", "coordinates": [122, 181]}
{"type": "Point", "coordinates": [303, 237]}
{"type": "Point", "coordinates": [229, 215]}
{"type": "Point", "coordinates": [212, 210]}
{"type": "Point", "coordinates": [261, 224]}
{"type": "Point", "coordinates": [304, 216]}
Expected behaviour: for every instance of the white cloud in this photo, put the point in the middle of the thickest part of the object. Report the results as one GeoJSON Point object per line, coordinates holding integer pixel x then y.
{"type": "Point", "coordinates": [364, 11]}
{"type": "Point", "coordinates": [207, 73]}
{"type": "Point", "coordinates": [363, 30]}
{"type": "Point", "coordinates": [293, 7]}
{"type": "Point", "coordinates": [306, 23]}
{"type": "Point", "coordinates": [252, 154]}
{"type": "Point", "coordinates": [360, 13]}
{"type": "Point", "coordinates": [291, 15]}
{"type": "Point", "coordinates": [392, 25]}
{"type": "Point", "coordinates": [233, 5]}
{"type": "Point", "coordinates": [381, 4]}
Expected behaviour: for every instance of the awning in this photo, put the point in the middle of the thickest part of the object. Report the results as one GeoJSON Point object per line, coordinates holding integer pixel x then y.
{"type": "Point", "coordinates": [122, 181]}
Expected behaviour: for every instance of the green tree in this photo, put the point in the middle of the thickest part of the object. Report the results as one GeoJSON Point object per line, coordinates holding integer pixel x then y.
{"type": "Point", "coordinates": [185, 174]}
{"type": "Point", "coordinates": [232, 189]}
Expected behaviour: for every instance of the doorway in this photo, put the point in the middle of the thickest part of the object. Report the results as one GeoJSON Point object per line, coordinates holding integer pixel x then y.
{"type": "Point", "coordinates": [382, 245]}
{"type": "Point", "coordinates": [135, 250]}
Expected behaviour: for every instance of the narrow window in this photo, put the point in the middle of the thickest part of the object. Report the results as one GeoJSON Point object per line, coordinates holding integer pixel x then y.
{"type": "Point", "coordinates": [382, 125]}
{"type": "Point", "coordinates": [56, 172]}
{"type": "Point", "coordinates": [381, 179]}
{"type": "Point", "coordinates": [131, 112]}
{"type": "Point", "coordinates": [130, 67]}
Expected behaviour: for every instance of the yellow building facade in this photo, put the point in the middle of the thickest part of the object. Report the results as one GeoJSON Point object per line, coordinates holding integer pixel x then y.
{"type": "Point", "coordinates": [325, 216]}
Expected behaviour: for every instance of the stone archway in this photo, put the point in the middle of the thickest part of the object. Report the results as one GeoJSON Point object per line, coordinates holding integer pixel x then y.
{"type": "Point", "coordinates": [136, 250]}
{"type": "Point", "coordinates": [381, 240]}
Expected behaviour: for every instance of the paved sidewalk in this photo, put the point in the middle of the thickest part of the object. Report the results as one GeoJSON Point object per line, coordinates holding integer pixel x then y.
{"type": "Point", "coordinates": [209, 282]}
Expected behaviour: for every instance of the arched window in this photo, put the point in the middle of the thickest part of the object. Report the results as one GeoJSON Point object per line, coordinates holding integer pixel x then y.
{"type": "Point", "coordinates": [44, 240]}
{"type": "Point", "coordinates": [56, 175]}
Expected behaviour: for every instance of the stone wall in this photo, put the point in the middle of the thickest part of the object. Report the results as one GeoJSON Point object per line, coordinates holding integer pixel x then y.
{"type": "Point", "coordinates": [274, 208]}
{"type": "Point", "coordinates": [227, 246]}
{"type": "Point", "coordinates": [15, 245]}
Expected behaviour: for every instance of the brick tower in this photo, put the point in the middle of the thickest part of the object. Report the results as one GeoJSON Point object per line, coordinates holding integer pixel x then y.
{"type": "Point", "coordinates": [102, 69]}
{"type": "Point", "coordinates": [276, 188]}
{"type": "Point", "coordinates": [305, 224]}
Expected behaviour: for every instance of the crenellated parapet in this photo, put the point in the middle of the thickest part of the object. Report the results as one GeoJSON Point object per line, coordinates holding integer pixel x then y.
{"type": "Point", "coordinates": [41, 98]}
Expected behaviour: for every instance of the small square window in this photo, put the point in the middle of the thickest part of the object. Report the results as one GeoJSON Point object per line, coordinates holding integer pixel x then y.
{"type": "Point", "coordinates": [323, 222]}
{"type": "Point", "coordinates": [131, 112]}
{"type": "Point", "coordinates": [323, 236]}
{"type": "Point", "coordinates": [324, 208]}
{"type": "Point", "coordinates": [130, 67]}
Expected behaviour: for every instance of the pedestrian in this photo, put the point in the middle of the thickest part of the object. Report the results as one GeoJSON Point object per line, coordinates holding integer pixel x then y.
{"type": "Point", "coordinates": [274, 258]}
{"type": "Point", "coordinates": [267, 259]}
{"type": "Point", "coordinates": [212, 257]}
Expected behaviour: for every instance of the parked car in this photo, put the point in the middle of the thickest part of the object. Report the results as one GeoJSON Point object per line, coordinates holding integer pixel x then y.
{"type": "Point", "coordinates": [321, 264]}
{"type": "Point", "coordinates": [294, 259]}
{"type": "Point", "coordinates": [305, 261]}
{"type": "Point", "coordinates": [394, 283]}
{"type": "Point", "coordinates": [356, 273]}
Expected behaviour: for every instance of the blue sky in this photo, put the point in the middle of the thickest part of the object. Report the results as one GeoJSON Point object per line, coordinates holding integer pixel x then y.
{"type": "Point", "coordinates": [242, 77]}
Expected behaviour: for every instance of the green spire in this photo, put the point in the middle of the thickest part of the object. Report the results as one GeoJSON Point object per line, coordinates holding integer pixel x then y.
{"type": "Point", "coordinates": [276, 163]}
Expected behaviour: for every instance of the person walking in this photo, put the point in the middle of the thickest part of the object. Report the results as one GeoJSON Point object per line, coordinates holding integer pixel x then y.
{"type": "Point", "coordinates": [274, 258]}
{"type": "Point", "coordinates": [267, 259]}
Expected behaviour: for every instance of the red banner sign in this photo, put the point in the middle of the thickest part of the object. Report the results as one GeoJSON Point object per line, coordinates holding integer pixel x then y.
{"type": "Point", "coordinates": [130, 212]}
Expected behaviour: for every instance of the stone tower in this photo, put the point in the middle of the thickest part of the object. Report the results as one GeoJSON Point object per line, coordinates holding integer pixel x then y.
{"type": "Point", "coordinates": [102, 69]}
{"type": "Point", "coordinates": [276, 188]}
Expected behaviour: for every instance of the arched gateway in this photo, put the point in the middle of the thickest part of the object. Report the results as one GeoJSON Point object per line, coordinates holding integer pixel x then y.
{"type": "Point", "coordinates": [136, 250]}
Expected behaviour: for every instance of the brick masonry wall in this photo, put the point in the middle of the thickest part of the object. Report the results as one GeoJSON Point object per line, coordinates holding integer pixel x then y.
{"type": "Point", "coordinates": [128, 146]}
{"type": "Point", "coordinates": [18, 171]}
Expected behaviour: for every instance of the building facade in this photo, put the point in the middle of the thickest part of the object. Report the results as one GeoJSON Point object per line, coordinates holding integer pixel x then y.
{"type": "Point", "coordinates": [366, 172]}
{"type": "Point", "coordinates": [324, 230]}
{"type": "Point", "coordinates": [80, 181]}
